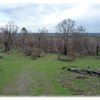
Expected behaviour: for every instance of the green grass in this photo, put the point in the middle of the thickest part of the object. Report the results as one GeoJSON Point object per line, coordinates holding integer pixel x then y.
{"type": "Point", "coordinates": [47, 76]}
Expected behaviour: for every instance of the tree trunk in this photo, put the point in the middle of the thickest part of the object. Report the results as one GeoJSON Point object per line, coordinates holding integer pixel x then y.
{"type": "Point", "coordinates": [7, 46]}
{"type": "Point", "coordinates": [97, 50]}
{"type": "Point", "coordinates": [65, 49]}
{"type": "Point", "coordinates": [66, 46]}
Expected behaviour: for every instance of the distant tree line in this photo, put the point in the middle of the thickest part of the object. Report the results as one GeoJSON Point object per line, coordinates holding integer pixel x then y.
{"type": "Point", "coordinates": [69, 40]}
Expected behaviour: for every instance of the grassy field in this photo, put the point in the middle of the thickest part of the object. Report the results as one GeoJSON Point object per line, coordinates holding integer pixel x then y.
{"type": "Point", "coordinates": [20, 75]}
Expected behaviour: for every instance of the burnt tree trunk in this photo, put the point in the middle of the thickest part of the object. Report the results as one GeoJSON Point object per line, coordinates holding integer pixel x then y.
{"type": "Point", "coordinates": [97, 50]}
{"type": "Point", "coordinates": [7, 46]}
{"type": "Point", "coordinates": [65, 49]}
{"type": "Point", "coordinates": [66, 45]}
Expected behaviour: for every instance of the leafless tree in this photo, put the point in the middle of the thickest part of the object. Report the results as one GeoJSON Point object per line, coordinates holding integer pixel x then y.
{"type": "Point", "coordinates": [66, 27]}
{"type": "Point", "coordinates": [41, 40]}
{"type": "Point", "coordinates": [77, 40]}
{"type": "Point", "coordinates": [24, 36]}
{"type": "Point", "coordinates": [9, 34]}
{"type": "Point", "coordinates": [81, 29]}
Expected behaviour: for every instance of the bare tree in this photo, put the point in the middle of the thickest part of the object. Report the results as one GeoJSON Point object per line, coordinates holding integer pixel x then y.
{"type": "Point", "coordinates": [81, 29]}
{"type": "Point", "coordinates": [66, 27]}
{"type": "Point", "coordinates": [41, 40]}
{"type": "Point", "coordinates": [24, 33]}
{"type": "Point", "coordinates": [9, 34]}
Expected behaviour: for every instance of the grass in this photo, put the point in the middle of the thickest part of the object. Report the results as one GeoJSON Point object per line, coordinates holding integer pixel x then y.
{"type": "Point", "coordinates": [47, 75]}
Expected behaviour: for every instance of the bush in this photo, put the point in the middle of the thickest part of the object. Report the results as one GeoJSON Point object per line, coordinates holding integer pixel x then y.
{"type": "Point", "coordinates": [27, 51]}
{"type": "Point", "coordinates": [33, 52]}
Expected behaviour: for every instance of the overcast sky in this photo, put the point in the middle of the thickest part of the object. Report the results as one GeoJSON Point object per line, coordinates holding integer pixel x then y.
{"type": "Point", "coordinates": [35, 14]}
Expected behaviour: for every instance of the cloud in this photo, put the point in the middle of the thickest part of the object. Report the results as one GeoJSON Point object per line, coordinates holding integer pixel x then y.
{"type": "Point", "coordinates": [48, 1]}
{"type": "Point", "coordinates": [35, 14]}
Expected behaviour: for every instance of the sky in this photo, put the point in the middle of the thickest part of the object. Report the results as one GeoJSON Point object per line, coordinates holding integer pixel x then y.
{"type": "Point", "coordinates": [36, 14]}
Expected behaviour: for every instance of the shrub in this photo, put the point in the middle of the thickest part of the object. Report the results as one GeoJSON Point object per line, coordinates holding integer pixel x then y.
{"type": "Point", "coordinates": [33, 52]}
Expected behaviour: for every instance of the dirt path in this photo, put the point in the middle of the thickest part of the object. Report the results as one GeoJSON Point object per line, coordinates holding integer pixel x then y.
{"type": "Point", "coordinates": [42, 84]}
{"type": "Point", "coordinates": [29, 82]}
{"type": "Point", "coordinates": [19, 85]}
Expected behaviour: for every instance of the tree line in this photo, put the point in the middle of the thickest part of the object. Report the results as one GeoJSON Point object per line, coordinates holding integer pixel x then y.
{"type": "Point", "coordinates": [69, 40]}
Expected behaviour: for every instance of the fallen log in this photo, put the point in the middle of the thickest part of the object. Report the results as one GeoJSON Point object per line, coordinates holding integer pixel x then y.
{"type": "Point", "coordinates": [84, 71]}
